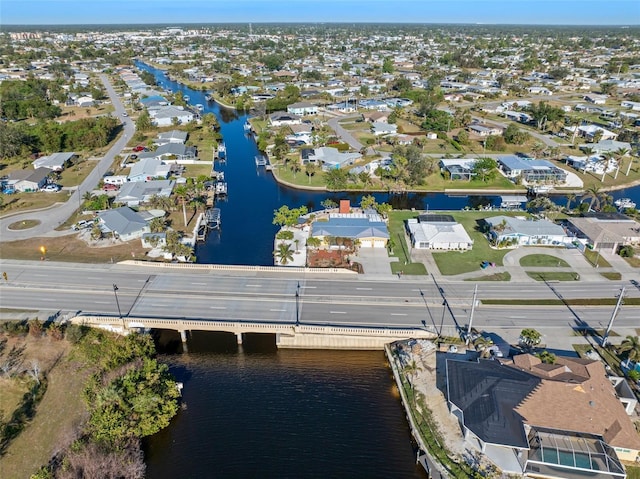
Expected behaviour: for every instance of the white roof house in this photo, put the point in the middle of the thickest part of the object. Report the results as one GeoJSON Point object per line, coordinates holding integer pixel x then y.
{"type": "Point", "coordinates": [328, 157]}
{"type": "Point", "coordinates": [148, 169]}
{"type": "Point", "coordinates": [439, 232]}
{"type": "Point", "coordinates": [164, 116]}
{"type": "Point", "coordinates": [173, 136]}
{"type": "Point", "coordinates": [525, 232]}
{"type": "Point", "coordinates": [54, 162]}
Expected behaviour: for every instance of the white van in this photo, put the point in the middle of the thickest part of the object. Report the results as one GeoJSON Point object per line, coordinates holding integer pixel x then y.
{"type": "Point", "coordinates": [115, 179]}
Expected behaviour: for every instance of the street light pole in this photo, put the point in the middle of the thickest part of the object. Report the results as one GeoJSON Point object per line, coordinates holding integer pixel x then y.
{"type": "Point", "coordinates": [298, 304]}
{"type": "Point", "coordinates": [605, 338]}
{"type": "Point", "coordinates": [115, 292]}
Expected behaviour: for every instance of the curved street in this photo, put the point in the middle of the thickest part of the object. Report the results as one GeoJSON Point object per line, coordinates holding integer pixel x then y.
{"type": "Point", "coordinates": [58, 214]}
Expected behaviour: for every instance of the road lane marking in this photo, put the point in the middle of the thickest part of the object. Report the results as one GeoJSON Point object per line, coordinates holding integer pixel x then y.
{"type": "Point", "coordinates": [398, 314]}
{"type": "Point", "coordinates": [308, 287]}
{"type": "Point", "coordinates": [200, 284]}
{"type": "Point", "coordinates": [364, 289]}
{"type": "Point", "coordinates": [253, 285]}
{"type": "Point", "coordinates": [277, 310]}
{"type": "Point", "coordinates": [102, 302]}
{"type": "Point", "coordinates": [517, 317]}
{"type": "Point", "coordinates": [46, 299]}
{"type": "Point", "coordinates": [217, 307]}
{"type": "Point", "coordinates": [337, 312]}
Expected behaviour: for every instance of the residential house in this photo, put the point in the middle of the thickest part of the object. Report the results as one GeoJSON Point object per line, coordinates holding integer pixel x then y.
{"type": "Point", "coordinates": [170, 115]}
{"type": "Point", "coordinates": [525, 232]}
{"type": "Point", "coordinates": [546, 420]}
{"type": "Point", "coordinates": [596, 99]}
{"type": "Point", "coordinates": [55, 161]}
{"type": "Point", "coordinates": [458, 168]}
{"type": "Point", "coordinates": [29, 180]}
{"type": "Point", "coordinates": [590, 132]}
{"type": "Point", "coordinates": [484, 130]}
{"type": "Point", "coordinates": [173, 136]}
{"type": "Point", "coordinates": [328, 157]}
{"type": "Point", "coordinates": [376, 116]}
{"type": "Point", "coordinates": [138, 192]}
{"type": "Point", "coordinates": [531, 170]}
{"type": "Point", "coordinates": [281, 118]}
{"type": "Point", "coordinates": [384, 129]}
{"type": "Point", "coordinates": [605, 231]}
{"type": "Point", "coordinates": [607, 146]}
{"type": "Point", "coordinates": [302, 108]}
{"type": "Point", "coordinates": [123, 222]}
{"type": "Point", "coordinates": [148, 169]}
{"type": "Point", "coordinates": [170, 152]}
{"type": "Point", "coordinates": [438, 232]}
{"type": "Point", "coordinates": [368, 228]}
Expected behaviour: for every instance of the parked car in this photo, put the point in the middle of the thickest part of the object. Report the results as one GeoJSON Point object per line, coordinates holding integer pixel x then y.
{"type": "Point", "coordinates": [110, 187]}
{"type": "Point", "coordinates": [51, 188]}
{"type": "Point", "coordinates": [125, 114]}
{"type": "Point", "coordinates": [82, 224]}
{"type": "Point", "coordinates": [139, 148]}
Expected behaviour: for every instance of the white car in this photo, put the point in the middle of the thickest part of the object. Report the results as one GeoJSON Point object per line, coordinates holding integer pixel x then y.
{"type": "Point", "coordinates": [51, 188]}
{"type": "Point", "coordinates": [125, 114]}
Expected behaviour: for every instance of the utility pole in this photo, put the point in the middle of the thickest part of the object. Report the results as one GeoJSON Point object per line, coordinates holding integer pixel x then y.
{"type": "Point", "coordinates": [605, 338]}
{"type": "Point", "coordinates": [473, 309]}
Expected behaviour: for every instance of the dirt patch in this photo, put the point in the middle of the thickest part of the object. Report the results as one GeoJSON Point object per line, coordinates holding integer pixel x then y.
{"type": "Point", "coordinates": [329, 258]}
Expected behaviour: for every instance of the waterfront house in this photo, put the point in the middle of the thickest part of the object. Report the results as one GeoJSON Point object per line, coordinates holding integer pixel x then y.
{"type": "Point", "coordinates": [458, 168]}
{"type": "Point", "coordinates": [169, 115]}
{"type": "Point", "coordinates": [531, 170]}
{"type": "Point", "coordinates": [438, 232]}
{"type": "Point", "coordinates": [525, 232]}
{"type": "Point", "coordinates": [605, 231]}
{"type": "Point", "coordinates": [281, 118]}
{"type": "Point", "coordinates": [123, 222]}
{"type": "Point", "coordinates": [138, 192]}
{"type": "Point", "coordinates": [368, 228]}
{"type": "Point", "coordinates": [555, 420]}
{"type": "Point", "coordinates": [328, 157]}
{"type": "Point", "coordinates": [170, 152]}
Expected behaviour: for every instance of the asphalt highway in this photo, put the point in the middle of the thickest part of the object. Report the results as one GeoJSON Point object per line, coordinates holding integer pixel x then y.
{"type": "Point", "coordinates": [326, 299]}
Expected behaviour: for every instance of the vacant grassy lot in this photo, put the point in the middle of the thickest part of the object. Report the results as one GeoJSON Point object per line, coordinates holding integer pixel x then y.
{"type": "Point", "coordinates": [59, 412]}
{"type": "Point", "coordinates": [70, 248]}
{"type": "Point", "coordinates": [31, 201]}
{"type": "Point", "coordinates": [542, 260]}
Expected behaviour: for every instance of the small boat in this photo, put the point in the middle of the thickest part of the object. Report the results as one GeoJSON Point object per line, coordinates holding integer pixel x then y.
{"type": "Point", "coordinates": [200, 106]}
{"type": "Point", "coordinates": [186, 97]}
{"type": "Point", "coordinates": [222, 151]}
{"type": "Point", "coordinates": [247, 126]}
{"type": "Point", "coordinates": [220, 188]}
{"type": "Point", "coordinates": [625, 203]}
{"type": "Point", "coordinates": [261, 161]}
{"type": "Point", "coordinates": [540, 189]}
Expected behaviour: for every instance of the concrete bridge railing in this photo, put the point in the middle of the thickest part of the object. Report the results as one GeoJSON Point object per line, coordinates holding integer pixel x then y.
{"type": "Point", "coordinates": [287, 335]}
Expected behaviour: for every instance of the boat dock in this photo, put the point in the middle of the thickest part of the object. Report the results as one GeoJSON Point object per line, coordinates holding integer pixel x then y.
{"type": "Point", "coordinates": [222, 153]}
{"type": "Point", "coordinates": [207, 221]}
{"type": "Point", "coordinates": [261, 160]}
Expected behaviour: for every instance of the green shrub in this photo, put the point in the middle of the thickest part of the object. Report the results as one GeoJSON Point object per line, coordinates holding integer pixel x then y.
{"type": "Point", "coordinates": [284, 235]}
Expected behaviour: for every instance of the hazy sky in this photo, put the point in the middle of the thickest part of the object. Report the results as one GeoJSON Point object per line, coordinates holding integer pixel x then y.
{"type": "Point", "coordinates": [551, 12]}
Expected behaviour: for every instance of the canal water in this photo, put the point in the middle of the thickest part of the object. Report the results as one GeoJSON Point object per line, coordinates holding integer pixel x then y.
{"type": "Point", "coordinates": [247, 232]}
{"type": "Point", "coordinates": [266, 413]}
{"type": "Point", "coordinates": [282, 413]}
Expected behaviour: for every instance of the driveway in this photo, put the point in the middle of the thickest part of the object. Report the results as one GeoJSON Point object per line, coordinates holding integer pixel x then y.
{"type": "Point", "coordinates": [374, 261]}
{"type": "Point", "coordinates": [52, 217]}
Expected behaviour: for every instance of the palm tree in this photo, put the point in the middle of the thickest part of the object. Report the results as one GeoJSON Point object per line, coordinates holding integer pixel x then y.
{"type": "Point", "coordinates": [619, 154]}
{"type": "Point", "coordinates": [284, 253]}
{"type": "Point", "coordinates": [181, 192]}
{"type": "Point", "coordinates": [593, 192]}
{"type": "Point", "coordinates": [630, 345]}
{"type": "Point", "coordinates": [483, 345]}
{"type": "Point", "coordinates": [411, 370]}
{"type": "Point", "coordinates": [607, 158]}
{"type": "Point", "coordinates": [310, 169]}
{"type": "Point", "coordinates": [570, 199]}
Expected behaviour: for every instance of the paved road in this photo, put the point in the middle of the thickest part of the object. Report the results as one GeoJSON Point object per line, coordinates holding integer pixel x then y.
{"type": "Point", "coordinates": [257, 297]}
{"type": "Point", "coordinates": [53, 217]}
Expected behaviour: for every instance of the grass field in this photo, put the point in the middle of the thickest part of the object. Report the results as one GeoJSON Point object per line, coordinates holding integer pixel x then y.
{"type": "Point", "coordinates": [542, 260]}
{"type": "Point", "coordinates": [70, 248]}
{"type": "Point", "coordinates": [554, 276]}
{"type": "Point", "coordinates": [596, 259]}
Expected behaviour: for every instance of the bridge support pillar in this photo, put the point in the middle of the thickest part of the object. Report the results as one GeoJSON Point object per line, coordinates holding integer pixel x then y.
{"type": "Point", "coordinates": [239, 338]}
{"type": "Point", "coordinates": [183, 338]}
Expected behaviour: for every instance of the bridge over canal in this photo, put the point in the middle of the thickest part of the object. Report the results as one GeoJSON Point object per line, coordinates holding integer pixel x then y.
{"type": "Point", "coordinates": [287, 335]}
